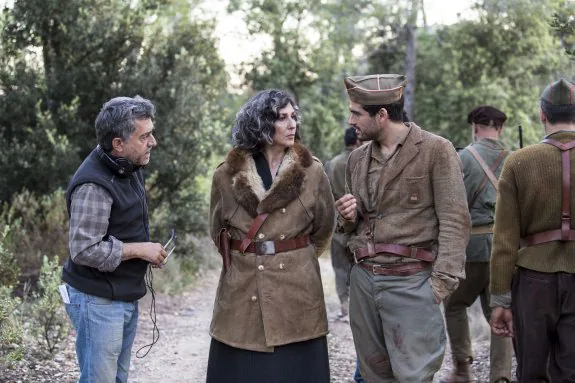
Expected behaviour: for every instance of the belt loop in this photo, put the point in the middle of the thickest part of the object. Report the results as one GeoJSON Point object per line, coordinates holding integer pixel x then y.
{"type": "Point", "coordinates": [414, 252]}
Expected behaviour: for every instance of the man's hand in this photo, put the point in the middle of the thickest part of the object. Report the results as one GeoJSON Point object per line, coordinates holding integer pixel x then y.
{"type": "Point", "coordinates": [502, 322]}
{"type": "Point", "coordinates": [442, 286]}
{"type": "Point", "coordinates": [346, 206]}
{"type": "Point", "coordinates": [152, 252]}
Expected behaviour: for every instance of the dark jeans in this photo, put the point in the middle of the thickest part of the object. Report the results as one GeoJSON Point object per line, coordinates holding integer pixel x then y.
{"type": "Point", "coordinates": [357, 375]}
{"type": "Point", "coordinates": [544, 321]}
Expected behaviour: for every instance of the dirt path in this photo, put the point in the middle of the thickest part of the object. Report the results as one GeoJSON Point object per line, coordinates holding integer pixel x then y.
{"type": "Point", "coordinates": [182, 351]}
{"type": "Point", "coordinates": [181, 354]}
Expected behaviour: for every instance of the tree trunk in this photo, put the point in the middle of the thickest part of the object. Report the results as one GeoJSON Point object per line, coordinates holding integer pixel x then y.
{"type": "Point", "coordinates": [410, 58]}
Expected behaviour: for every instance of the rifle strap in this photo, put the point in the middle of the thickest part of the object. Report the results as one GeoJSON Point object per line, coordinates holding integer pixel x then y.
{"type": "Point", "coordinates": [488, 171]}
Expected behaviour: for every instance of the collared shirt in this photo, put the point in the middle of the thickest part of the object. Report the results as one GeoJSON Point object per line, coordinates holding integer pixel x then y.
{"type": "Point", "coordinates": [378, 166]}
{"type": "Point", "coordinates": [89, 242]}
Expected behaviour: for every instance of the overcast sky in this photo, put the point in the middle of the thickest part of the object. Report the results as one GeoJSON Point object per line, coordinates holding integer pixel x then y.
{"type": "Point", "coordinates": [235, 45]}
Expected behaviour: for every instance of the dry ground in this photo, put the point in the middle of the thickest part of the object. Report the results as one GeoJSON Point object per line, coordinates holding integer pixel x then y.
{"type": "Point", "coordinates": [180, 356]}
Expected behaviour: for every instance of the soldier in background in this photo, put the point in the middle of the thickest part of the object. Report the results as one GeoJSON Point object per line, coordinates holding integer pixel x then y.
{"type": "Point", "coordinates": [533, 257]}
{"type": "Point", "coordinates": [341, 257]}
{"type": "Point", "coordinates": [482, 162]}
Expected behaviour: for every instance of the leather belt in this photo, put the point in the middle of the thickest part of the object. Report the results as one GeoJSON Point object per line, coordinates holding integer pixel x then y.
{"type": "Point", "coordinates": [483, 229]}
{"type": "Point", "coordinates": [404, 269]}
{"type": "Point", "coordinates": [272, 247]}
{"type": "Point", "coordinates": [404, 251]}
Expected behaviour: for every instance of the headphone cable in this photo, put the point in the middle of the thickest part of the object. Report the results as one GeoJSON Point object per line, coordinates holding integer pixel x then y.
{"type": "Point", "coordinates": [149, 278]}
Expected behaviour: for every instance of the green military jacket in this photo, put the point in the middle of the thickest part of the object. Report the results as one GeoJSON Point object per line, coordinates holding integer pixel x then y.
{"type": "Point", "coordinates": [481, 194]}
{"type": "Point", "coordinates": [336, 174]}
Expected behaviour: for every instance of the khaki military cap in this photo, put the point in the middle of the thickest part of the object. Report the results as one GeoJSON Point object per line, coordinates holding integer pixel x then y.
{"type": "Point", "coordinates": [375, 89]}
{"type": "Point", "coordinates": [561, 92]}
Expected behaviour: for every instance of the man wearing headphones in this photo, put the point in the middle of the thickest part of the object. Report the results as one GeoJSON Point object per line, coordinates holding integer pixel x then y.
{"type": "Point", "coordinates": [109, 240]}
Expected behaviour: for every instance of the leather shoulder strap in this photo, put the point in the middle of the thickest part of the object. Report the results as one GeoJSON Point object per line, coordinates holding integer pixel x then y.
{"type": "Point", "coordinates": [493, 168]}
{"type": "Point", "coordinates": [488, 172]}
{"type": "Point", "coordinates": [368, 233]}
{"type": "Point", "coordinates": [256, 225]}
{"type": "Point", "coordinates": [565, 233]}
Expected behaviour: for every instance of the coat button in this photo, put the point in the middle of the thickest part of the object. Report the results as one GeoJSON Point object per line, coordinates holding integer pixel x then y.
{"type": "Point", "coordinates": [282, 236]}
{"type": "Point", "coordinates": [254, 298]}
{"type": "Point", "coordinates": [283, 210]}
{"type": "Point", "coordinates": [281, 266]}
{"type": "Point", "coordinates": [261, 267]}
{"type": "Point", "coordinates": [261, 235]}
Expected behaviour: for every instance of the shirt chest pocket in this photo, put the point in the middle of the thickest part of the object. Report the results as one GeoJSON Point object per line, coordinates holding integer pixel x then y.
{"type": "Point", "coordinates": [416, 192]}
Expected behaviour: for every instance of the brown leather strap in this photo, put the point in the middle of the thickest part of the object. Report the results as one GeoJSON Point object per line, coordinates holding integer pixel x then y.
{"type": "Point", "coordinates": [404, 269]}
{"type": "Point", "coordinates": [368, 233]}
{"type": "Point", "coordinates": [404, 251]}
{"type": "Point", "coordinates": [492, 169]}
{"type": "Point", "coordinates": [256, 225]}
{"type": "Point", "coordinates": [488, 172]}
{"type": "Point", "coordinates": [272, 247]}
{"type": "Point", "coordinates": [565, 233]}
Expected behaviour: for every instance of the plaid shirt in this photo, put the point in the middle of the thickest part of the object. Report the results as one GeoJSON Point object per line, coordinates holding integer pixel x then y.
{"type": "Point", "coordinates": [89, 242]}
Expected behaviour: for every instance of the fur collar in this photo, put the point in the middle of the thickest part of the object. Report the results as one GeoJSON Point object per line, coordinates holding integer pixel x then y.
{"type": "Point", "coordinates": [249, 190]}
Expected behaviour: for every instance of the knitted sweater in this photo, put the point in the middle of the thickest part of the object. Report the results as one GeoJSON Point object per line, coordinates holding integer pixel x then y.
{"type": "Point", "coordinates": [529, 202]}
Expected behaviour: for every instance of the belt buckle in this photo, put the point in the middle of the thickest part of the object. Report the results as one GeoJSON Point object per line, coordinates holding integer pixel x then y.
{"type": "Point", "coordinates": [265, 248]}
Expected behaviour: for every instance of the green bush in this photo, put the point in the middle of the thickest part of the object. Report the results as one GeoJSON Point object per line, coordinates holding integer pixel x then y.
{"type": "Point", "coordinates": [39, 226]}
{"type": "Point", "coordinates": [9, 269]}
{"type": "Point", "coordinates": [191, 255]}
{"type": "Point", "coordinates": [50, 326]}
{"type": "Point", "coordinates": [11, 329]}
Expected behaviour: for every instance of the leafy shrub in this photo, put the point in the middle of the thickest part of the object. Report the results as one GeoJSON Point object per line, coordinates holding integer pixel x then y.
{"type": "Point", "coordinates": [11, 329]}
{"type": "Point", "coordinates": [50, 324]}
{"type": "Point", "coordinates": [39, 226]}
{"type": "Point", "coordinates": [9, 269]}
{"type": "Point", "coordinates": [191, 255]}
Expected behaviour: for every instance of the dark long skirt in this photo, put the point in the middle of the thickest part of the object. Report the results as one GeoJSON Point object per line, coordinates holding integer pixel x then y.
{"type": "Point", "coordinates": [303, 362]}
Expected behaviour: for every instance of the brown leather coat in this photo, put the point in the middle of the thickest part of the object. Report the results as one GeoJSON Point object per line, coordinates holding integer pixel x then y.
{"type": "Point", "coordinates": [267, 301]}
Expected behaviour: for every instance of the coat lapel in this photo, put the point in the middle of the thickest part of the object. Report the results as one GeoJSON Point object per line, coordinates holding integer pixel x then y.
{"type": "Point", "coordinates": [359, 178]}
{"type": "Point", "coordinates": [248, 187]}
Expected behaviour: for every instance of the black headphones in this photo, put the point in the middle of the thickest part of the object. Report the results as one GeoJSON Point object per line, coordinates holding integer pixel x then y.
{"type": "Point", "coordinates": [119, 165]}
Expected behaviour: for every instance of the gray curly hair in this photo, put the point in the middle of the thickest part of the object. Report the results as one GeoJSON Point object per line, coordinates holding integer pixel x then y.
{"type": "Point", "coordinates": [254, 124]}
{"type": "Point", "coordinates": [118, 119]}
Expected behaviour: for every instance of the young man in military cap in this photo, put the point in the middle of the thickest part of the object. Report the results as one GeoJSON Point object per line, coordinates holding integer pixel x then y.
{"type": "Point", "coordinates": [533, 256]}
{"type": "Point", "coordinates": [406, 212]}
{"type": "Point", "coordinates": [482, 162]}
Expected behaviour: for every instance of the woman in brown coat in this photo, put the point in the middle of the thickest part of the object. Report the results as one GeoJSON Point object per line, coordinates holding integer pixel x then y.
{"type": "Point", "coordinates": [274, 199]}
